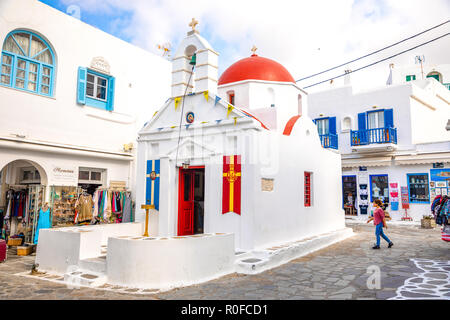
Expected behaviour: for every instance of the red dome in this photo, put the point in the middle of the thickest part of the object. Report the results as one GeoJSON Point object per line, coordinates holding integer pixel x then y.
{"type": "Point", "coordinates": [255, 68]}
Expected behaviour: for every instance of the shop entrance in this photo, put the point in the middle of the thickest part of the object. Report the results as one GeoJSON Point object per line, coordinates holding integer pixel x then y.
{"type": "Point", "coordinates": [191, 199]}
{"type": "Point", "coordinates": [349, 194]}
{"type": "Point", "coordinates": [22, 194]}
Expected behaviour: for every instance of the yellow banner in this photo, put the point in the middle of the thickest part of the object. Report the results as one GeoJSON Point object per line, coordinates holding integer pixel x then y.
{"type": "Point", "coordinates": [177, 102]}
{"type": "Point", "coordinates": [229, 109]}
{"type": "Point", "coordinates": [206, 95]}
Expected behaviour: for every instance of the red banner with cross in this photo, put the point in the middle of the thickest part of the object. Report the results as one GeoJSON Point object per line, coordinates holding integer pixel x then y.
{"type": "Point", "coordinates": [231, 195]}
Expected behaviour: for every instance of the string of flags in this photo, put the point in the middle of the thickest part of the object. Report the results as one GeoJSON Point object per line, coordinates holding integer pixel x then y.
{"type": "Point", "coordinates": [230, 109]}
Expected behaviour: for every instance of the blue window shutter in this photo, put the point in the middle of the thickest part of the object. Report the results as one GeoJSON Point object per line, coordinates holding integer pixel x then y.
{"type": "Point", "coordinates": [81, 87]}
{"type": "Point", "coordinates": [332, 125]}
{"type": "Point", "coordinates": [362, 121]}
{"type": "Point", "coordinates": [388, 118]}
{"type": "Point", "coordinates": [111, 85]}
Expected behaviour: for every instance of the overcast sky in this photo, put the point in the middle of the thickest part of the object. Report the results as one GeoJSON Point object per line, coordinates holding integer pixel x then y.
{"type": "Point", "coordinates": [304, 36]}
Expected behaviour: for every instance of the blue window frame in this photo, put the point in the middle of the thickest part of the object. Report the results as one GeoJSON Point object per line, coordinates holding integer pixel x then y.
{"type": "Point", "coordinates": [95, 89]}
{"type": "Point", "coordinates": [379, 187]}
{"type": "Point", "coordinates": [27, 63]}
{"type": "Point", "coordinates": [418, 187]}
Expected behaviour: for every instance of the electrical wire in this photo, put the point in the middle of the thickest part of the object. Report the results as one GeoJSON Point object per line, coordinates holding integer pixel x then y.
{"type": "Point", "coordinates": [374, 52]}
{"type": "Point", "coordinates": [181, 116]}
{"type": "Point", "coordinates": [373, 63]}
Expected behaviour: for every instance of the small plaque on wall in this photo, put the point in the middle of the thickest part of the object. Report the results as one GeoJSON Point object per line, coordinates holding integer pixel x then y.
{"type": "Point", "coordinates": [266, 184]}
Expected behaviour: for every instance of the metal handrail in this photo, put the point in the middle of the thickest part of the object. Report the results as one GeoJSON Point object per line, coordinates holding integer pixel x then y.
{"type": "Point", "coordinates": [371, 136]}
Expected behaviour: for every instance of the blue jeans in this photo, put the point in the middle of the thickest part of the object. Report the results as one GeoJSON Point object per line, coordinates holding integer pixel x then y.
{"type": "Point", "coordinates": [379, 232]}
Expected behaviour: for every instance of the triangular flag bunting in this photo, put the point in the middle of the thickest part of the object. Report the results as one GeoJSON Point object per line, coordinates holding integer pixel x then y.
{"type": "Point", "coordinates": [155, 114]}
{"type": "Point", "coordinates": [229, 109]}
{"type": "Point", "coordinates": [173, 127]}
{"type": "Point", "coordinates": [206, 95]}
{"type": "Point", "coordinates": [217, 100]}
{"type": "Point", "coordinates": [177, 102]}
{"type": "Point", "coordinates": [235, 120]}
{"type": "Point", "coordinates": [218, 121]}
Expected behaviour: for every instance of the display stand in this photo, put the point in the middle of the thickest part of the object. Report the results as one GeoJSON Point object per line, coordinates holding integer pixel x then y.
{"type": "Point", "coordinates": [62, 205]}
{"type": "Point", "coordinates": [363, 195]}
{"type": "Point", "coordinates": [36, 199]}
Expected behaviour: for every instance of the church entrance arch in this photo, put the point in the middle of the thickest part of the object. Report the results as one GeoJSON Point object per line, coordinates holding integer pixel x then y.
{"type": "Point", "coordinates": [191, 200]}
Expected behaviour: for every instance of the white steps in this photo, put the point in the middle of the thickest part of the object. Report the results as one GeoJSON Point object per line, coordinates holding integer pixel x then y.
{"type": "Point", "coordinates": [97, 265]}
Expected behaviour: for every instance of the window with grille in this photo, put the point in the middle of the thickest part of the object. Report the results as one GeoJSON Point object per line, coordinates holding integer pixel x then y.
{"type": "Point", "coordinates": [308, 189]}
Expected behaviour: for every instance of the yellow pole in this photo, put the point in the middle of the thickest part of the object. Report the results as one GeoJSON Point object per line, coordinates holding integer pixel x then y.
{"type": "Point", "coordinates": [146, 207]}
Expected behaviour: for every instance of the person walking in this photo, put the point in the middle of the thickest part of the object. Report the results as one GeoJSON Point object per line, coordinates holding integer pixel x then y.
{"type": "Point", "coordinates": [379, 221]}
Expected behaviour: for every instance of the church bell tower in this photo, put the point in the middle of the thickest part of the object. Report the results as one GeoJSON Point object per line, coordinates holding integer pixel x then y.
{"type": "Point", "coordinates": [194, 65]}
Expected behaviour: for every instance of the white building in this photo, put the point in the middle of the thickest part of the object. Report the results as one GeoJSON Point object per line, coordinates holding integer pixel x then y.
{"type": "Point", "coordinates": [390, 137]}
{"type": "Point", "coordinates": [71, 97]}
{"type": "Point", "coordinates": [245, 162]}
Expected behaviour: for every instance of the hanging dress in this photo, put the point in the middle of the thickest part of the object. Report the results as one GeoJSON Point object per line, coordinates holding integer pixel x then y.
{"type": "Point", "coordinates": [43, 223]}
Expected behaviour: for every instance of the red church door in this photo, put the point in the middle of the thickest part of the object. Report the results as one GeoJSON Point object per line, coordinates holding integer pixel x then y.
{"type": "Point", "coordinates": [186, 203]}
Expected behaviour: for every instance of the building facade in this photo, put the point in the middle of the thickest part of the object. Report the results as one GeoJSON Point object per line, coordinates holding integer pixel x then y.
{"type": "Point", "coordinates": [72, 100]}
{"type": "Point", "coordinates": [393, 140]}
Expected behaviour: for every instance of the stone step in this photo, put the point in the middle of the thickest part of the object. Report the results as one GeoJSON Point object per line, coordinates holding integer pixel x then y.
{"type": "Point", "coordinates": [81, 277]}
{"type": "Point", "coordinates": [97, 265]}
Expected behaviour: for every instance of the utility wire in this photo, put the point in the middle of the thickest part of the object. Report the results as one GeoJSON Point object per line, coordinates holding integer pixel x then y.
{"type": "Point", "coordinates": [372, 53]}
{"type": "Point", "coordinates": [181, 116]}
{"type": "Point", "coordinates": [373, 63]}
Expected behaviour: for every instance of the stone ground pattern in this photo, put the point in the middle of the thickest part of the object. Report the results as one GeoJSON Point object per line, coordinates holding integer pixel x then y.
{"type": "Point", "coordinates": [336, 272]}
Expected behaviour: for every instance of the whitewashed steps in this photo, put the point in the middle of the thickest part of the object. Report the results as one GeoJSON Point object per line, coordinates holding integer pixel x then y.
{"type": "Point", "coordinates": [97, 265]}
{"type": "Point", "coordinates": [81, 277]}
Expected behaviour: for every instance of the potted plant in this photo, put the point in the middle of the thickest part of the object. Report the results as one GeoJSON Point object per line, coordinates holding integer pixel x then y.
{"type": "Point", "coordinates": [428, 222]}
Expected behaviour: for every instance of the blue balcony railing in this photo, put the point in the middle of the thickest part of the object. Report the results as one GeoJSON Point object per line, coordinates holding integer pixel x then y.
{"type": "Point", "coordinates": [370, 136]}
{"type": "Point", "coordinates": [329, 140]}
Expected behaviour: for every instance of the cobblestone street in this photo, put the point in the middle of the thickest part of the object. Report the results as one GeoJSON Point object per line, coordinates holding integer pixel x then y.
{"type": "Point", "coordinates": [336, 272]}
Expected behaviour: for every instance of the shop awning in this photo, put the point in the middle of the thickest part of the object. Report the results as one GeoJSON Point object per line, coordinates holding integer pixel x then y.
{"type": "Point", "coordinates": [423, 158]}
{"type": "Point", "coordinates": [366, 162]}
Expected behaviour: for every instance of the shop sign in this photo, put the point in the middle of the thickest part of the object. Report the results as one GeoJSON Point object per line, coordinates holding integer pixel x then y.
{"type": "Point", "coordinates": [405, 197]}
{"type": "Point", "coordinates": [64, 175]}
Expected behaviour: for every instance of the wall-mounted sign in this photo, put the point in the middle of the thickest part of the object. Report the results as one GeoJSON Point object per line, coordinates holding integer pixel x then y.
{"type": "Point", "coordinates": [190, 117]}
{"type": "Point", "coordinates": [362, 168]}
{"type": "Point", "coordinates": [64, 175]}
{"type": "Point", "coordinates": [438, 165]}
{"type": "Point", "coordinates": [100, 64]}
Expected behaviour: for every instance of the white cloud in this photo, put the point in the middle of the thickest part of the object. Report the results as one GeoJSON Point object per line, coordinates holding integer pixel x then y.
{"type": "Point", "coordinates": [305, 36]}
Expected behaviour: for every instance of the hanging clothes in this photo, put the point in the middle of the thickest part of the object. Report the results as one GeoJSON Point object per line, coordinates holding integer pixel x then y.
{"type": "Point", "coordinates": [43, 223]}
{"type": "Point", "coordinates": [84, 206]}
{"type": "Point", "coordinates": [126, 217]}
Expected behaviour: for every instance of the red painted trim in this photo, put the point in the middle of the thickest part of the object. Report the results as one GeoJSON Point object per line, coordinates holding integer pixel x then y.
{"type": "Point", "coordinates": [290, 125]}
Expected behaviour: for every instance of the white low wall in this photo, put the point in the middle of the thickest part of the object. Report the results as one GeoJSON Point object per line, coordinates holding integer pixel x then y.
{"type": "Point", "coordinates": [166, 263]}
{"type": "Point", "coordinates": [113, 230]}
{"type": "Point", "coordinates": [60, 248]}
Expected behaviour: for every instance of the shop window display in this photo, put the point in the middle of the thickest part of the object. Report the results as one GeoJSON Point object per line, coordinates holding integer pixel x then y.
{"type": "Point", "coordinates": [379, 188]}
{"type": "Point", "coordinates": [418, 188]}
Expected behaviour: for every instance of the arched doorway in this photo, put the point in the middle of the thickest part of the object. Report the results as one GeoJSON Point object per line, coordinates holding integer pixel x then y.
{"type": "Point", "coordinates": [22, 192]}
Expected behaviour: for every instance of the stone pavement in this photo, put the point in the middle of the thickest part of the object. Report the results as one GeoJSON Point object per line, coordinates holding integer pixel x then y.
{"type": "Point", "coordinates": [337, 272]}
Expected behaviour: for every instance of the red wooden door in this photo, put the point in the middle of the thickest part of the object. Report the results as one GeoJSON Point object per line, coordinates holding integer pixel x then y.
{"type": "Point", "coordinates": [186, 203]}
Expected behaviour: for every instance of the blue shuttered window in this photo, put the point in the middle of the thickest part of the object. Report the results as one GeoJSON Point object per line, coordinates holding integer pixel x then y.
{"type": "Point", "coordinates": [361, 121]}
{"type": "Point", "coordinates": [388, 118]}
{"type": "Point", "coordinates": [81, 88]}
{"type": "Point", "coordinates": [332, 125]}
{"type": "Point", "coordinates": [95, 89]}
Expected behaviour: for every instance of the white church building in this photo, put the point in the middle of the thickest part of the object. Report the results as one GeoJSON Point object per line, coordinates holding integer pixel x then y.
{"type": "Point", "coordinates": [236, 175]}
{"type": "Point", "coordinates": [237, 154]}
